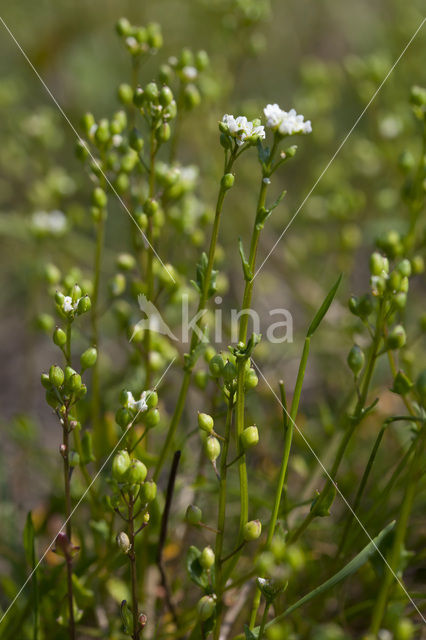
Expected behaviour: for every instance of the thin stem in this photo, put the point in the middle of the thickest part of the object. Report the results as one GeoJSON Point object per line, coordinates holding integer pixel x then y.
{"type": "Point", "coordinates": [400, 533]}
{"type": "Point", "coordinates": [150, 259]}
{"type": "Point", "coordinates": [264, 620]}
{"type": "Point", "coordinates": [204, 294]}
{"type": "Point", "coordinates": [67, 490]}
{"type": "Point", "coordinates": [221, 519]}
{"type": "Point", "coordinates": [132, 558]}
{"type": "Point", "coordinates": [98, 436]}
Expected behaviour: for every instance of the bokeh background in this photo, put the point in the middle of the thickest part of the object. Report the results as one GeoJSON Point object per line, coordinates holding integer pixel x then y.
{"type": "Point", "coordinates": [326, 59]}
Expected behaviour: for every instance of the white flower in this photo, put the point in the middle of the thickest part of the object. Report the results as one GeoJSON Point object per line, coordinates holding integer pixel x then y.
{"type": "Point", "coordinates": [242, 129]}
{"type": "Point", "coordinates": [67, 304]}
{"type": "Point", "coordinates": [189, 73]}
{"type": "Point", "coordinates": [287, 123]}
{"type": "Point", "coordinates": [54, 222]}
{"type": "Point", "coordinates": [141, 404]}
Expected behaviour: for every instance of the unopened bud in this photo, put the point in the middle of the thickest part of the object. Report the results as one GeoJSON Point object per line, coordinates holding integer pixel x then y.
{"type": "Point", "coordinates": [252, 530]}
{"type": "Point", "coordinates": [205, 422]}
{"type": "Point", "coordinates": [123, 542]}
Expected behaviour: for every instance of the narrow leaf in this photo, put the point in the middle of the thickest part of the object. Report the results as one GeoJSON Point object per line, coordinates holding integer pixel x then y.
{"type": "Point", "coordinates": [323, 308]}
{"type": "Point", "coordinates": [352, 566]}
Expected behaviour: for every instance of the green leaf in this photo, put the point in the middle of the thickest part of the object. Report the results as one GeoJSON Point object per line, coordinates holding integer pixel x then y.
{"type": "Point", "coordinates": [194, 568]}
{"type": "Point", "coordinates": [29, 541]}
{"type": "Point", "coordinates": [249, 634]}
{"type": "Point", "coordinates": [321, 504]}
{"type": "Point", "coordinates": [126, 617]}
{"type": "Point", "coordinates": [352, 566]}
{"type": "Point", "coordinates": [248, 273]}
{"type": "Point", "coordinates": [323, 308]}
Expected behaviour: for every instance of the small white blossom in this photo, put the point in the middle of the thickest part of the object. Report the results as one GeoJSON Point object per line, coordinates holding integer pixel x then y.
{"type": "Point", "coordinates": [141, 404]}
{"type": "Point", "coordinates": [242, 129]}
{"type": "Point", "coordinates": [286, 122]}
{"type": "Point", "coordinates": [117, 140]}
{"type": "Point", "coordinates": [53, 222]}
{"type": "Point", "coordinates": [189, 73]}
{"type": "Point", "coordinates": [67, 304]}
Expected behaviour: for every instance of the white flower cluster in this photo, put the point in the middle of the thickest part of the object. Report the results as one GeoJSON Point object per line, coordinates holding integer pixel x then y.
{"type": "Point", "coordinates": [68, 305]}
{"type": "Point", "coordinates": [243, 130]}
{"type": "Point", "coordinates": [288, 123]}
{"type": "Point", "coordinates": [141, 405]}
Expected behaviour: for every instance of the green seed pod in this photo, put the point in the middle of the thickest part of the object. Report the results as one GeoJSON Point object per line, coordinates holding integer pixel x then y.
{"type": "Point", "coordinates": [396, 338]}
{"type": "Point", "coordinates": [163, 132]}
{"type": "Point", "coordinates": [74, 459]}
{"type": "Point", "coordinates": [417, 265]}
{"type": "Point", "coordinates": [249, 437]}
{"type": "Point", "coordinates": [102, 133]}
{"type": "Point", "coordinates": [86, 447]}
{"type": "Point", "coordinates": [123, 417]}
{"type": "Point", "coordinates": [225, 141]}
{"type": "Point", "coordinates": [404, 268]}
{"type": "Point", "coordinates": [120, 466]}
{"type": "Point", "coordinates": [139, 97]}
{"type": "Point", "coordinates": [390, 243]}
{"type": "Point", "coordinates": [227, 181]}
{"type": "Point", "coordinates": [74, 383]}
{"type": "Point", "coordinates": [193, 515]}
{"type": "Point", "coordinates": [250, 379]}
{"type": "Point", "coordinates": [205, 422]}
{"type": "Point", "coordinates": [148, 492]}
{"type": "Point", "coordinates": [121, 183]}
{"type": "Point", "coordinates": [151, 92]}
{"type": "Point", "coordinates": [152, 399]}
{"type": "Point", "coordinates": [87, 122]}
{"type": "Point", "coordinates": [123, 27]}
{"type": "Point", "coordinates": [353, 305]}
{"type": "Point", "coordinates": [151, 418]}
{"type": "Point", "coordinates": [365, 306]}
{"type": "Point", "coordinates": [216, 365]}
{"type": "Point", "coordinates": [117, 285]}
{"type": "Point", "coordinates": [45, 322]}
{"type": "Point", "coordinates": [201, 379]}
{"type": "Point", "coordinates": [207, 558]}
{"type": "Point", "coordinates": [45, 380]}
{"type": "Point", "coordinates": [377, 264]}
{"type": "Point", "coordinates": [52, 398]}
{"type": "Point", "coordinates": [404, 629]}
{"type": "Point", "coordinates": [191, 96]}
{"type": "Point", "coordinates": [400, 300]}
{"type": "Point", "coordinates": [154, 37]}
{"type": "Point", "coordinates": [56, 376]}
{"type": "Point", "coordinates": [252, 530]}
{"type": "Point", "coordinates": [99, 198]}
{"type": "Point", "coordinates": [88, 358]}
{"type": "Point", "coordinates": [402, 383]}
{"type": "Point", "coordinates": [165, 73]}
{"type": "Point", "coordinates": [125, 261]}
{"type": "Point", "coordinates": [59, 298]}
{"type": "Point", "coordinates": [136, 140]}
{"type": "Point", "coordinates": [170, 111]}
{"type": "Point", "coordinates": [212, 448]}
{"type": "Point", "coordinates": [51, 274]}
{"type": "Point", "coordinates": [123, 542]}
{"type": "Point", "coordinates": [84, 305]}
{"type": "Point", "coordinates": [166, 96]}
{"type": "Point", "coordinates": [206, 607]}
{"type": "Point", "coordinates": [394, 281]}
{"type": "Point", "coordinates": [128, 163]}
{"type": "Point", "coordinates": [229, 371]}
{"type": "Point", "coordinates": [125, 94]}
{"type": "Point", "coordinates": [404, 285]}
{"type": "Point", "coordinates": [150, 207]}
{"type": "Point", "coordinates": [69, 372]}
{"type": "Point", "coordinates": [59, 337]}
{"type": "Point", "coordinates": [356, 359]}
{"type": "Point", "coordinates": [201, 60]}
{"type": "Point", "coordinates": [137, 472]}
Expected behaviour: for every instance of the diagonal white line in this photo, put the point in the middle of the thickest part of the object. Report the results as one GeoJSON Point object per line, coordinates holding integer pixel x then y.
{"type": "Point", "coordinates": [339, 148]}
{"type": "Point", "coordinates": [96, 163]}
{"type": "Point", "coordinates": [299, 431]}
{"type": "Point", "coordinates": [80, 501]}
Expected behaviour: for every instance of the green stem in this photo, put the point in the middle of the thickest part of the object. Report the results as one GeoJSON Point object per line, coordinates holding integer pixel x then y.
{"type": "Point", "coordinates": [98, 436]}
{"type": "Point", "coordinates": [150, 260]}
{"type": "Point", "coordinates": [264, 620]}
{"type": "Point", "coordinates": [194, 337]}
{"type": "Point", "coordinates": [221, 518]}
{"type": "Point", "coordinates": [132, 558]}
{"type": "Point", "coordinates": [67, 490]}
{"type": "Point", "coordinates": [394, 556]}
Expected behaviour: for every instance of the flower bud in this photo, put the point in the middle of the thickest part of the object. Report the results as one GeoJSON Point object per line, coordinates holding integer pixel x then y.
{"type": "Point", "coordinates": [123, 27]}
{"type": "Point", "coordinates": [84, 305]}
{"type": "Point", "coordinates": [206, 607]}
{"type": "Point", "coordinates": [165, 73]}
{"type": "Point", "coordinates": [45, 380]}
{"type": "Point", "coordinates": [88, 358]}
{"type": "Point", "coordinates": [56, 376]}
{"type": "Point", "coordinates": [252, 530]}
{"type": "Point", "coordinates": [417, 265]}
{"type": "Point", "coordinates": [121, 465]}
{"type": "Point", "coordinates": [212, 448]}
{"type": "Point", "coordinates": [404, 629]}
{"type": "Point", "coordinates": [229, 371]}
{"type": "Point", "coordinates": [74, 383]}
{"type": "Point", "coordinates": [216, 366]}
{"type": "Point", "coordinates": [396, 338]}
{"type": "Point", "coordinates": [353, 305]}
{"type": "Point", "coordinates": [205, 422]}
{"type": "Point", "coordinates": [150, 207]}
{"type": "Point", "coordinates": [250, 379]}
{"type": "Point", "coordinates": [151, 92]}
{"type": "Point", "coordinates": [142, 620]}
{"type": "Point", "coordinates": [99, 198]}
{"type": "Point", "coordinates": [166, 96]}
{"type": "Point", "coordinates": [225, 140]}
{"type": "Point", "coordinates": [154, 37]}
{"type": "Point", "coordinates": [74, 459]}
{"type": "Point", "coordinates": [123, 542]}
{"type": "Point", "coordinates": [356, 359]}
{"type": "Point", "coordinates": [102, 133]}
{"type": "Point", "coordinates": [148, 492]}
{"type": "Point", "coordinates": [163, 132]}
{"type": "Point", "coordinates": [377, 264]}
{"type": "Point", "coordinates": [137, 472]}
{"type": "Point", "coordinates": [249, 437]}
{"type": "Point", "coordinates": [152, 399]}
{"type": "Point", "coordinates": [139, 97]}
{"type": "Point", "coordinates": [193, 514]}
{"type": "Point", "coordinates": [404, 268]}
{"type": "Point", "coordinates": [151, 418]}
{"type": "Point", "coordinates": [402, 383]}
{"type": "Point", "coordinates": [201, 379]}
{"type": "Point", "coordinates": [227, 181]}
{"type": "Point", "coordinates": [125, 94]}
{"type": "Point", "coordinates": [87, 122]}
{"type": "Point", "coordinates": [125, 261]}
{"type": "Point", "coordinates": [400, 300]}
{"type": "Point", "coordinates": [207, 558]}
{"type": "Point", "coordinates": [123, 417]}
{"type": "Point", "coordinates": [418, 96]}
{"type": "Point", "coordinates": [45, 322]}
{"type": "Point", "coordinates": [201, 60]}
